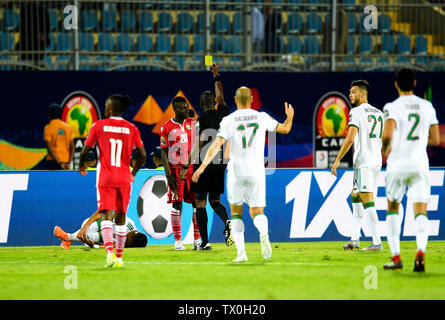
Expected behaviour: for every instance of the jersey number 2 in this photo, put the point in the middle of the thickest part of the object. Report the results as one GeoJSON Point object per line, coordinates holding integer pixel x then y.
{"type": "Point", "coordinates": [116, 151]}
{"type": "Point", "coordinates": [373, 118]}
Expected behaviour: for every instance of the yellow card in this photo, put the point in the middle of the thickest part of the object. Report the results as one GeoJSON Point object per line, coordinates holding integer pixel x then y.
{"type": "Point", "coordinates": [208, 60]}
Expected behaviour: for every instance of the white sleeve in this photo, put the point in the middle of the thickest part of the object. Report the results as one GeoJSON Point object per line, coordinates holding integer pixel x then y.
{"type": "Point", "coordinates": [223, 131]}
{"type": "Point", "coordinates": [354, 119]}
{"type": "Point", "coordinates": [388, 113]}
{"type": "Point", "coordinates": [433, 119]}
{"type": "Point", "coordinates": [269, 123]}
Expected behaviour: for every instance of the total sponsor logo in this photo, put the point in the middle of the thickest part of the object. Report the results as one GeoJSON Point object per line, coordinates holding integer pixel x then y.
{"type": "Point", "coordinates": [334, 207]}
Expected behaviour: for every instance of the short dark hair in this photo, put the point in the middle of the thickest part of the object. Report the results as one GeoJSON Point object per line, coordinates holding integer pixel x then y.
{"type": "Point", "coordinates": [362, 84]}
{"type": "Point", "coordinates": [207, 100]}
{"type": "Point", "coordinates": [119, 102]}
{"type": "Point", "coordinates": [140, 240]}
{"type": "Point", "coordinates": [405, 78]}
{"type": "Point", "coordinates": [54, 111]}
{"type": "Point", "coordinates": [178, 100]}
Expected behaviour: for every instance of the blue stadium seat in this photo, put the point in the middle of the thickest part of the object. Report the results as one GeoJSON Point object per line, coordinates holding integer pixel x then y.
{"type": "Point", "coordinates": [366, 63]}
{"type": "Point", "coordinates": [421, 45]}
{"type": "Point", "coordinates": [294, 22]}
{"type": "Point", "coordinates": [314, 3]}
{"type": "Point", "coordinates": [86, 42]}
{"type": "Point", "coordinates": [62, 62]}
{"type": "Point", "coordinates": [128, 20]}
{"type": "Point", "coordinates": [200, 23]}
{"type": "Point", "coordinates": [294, 44]}
{"type": "Point", "coordinates": [237, 6]}
{"type": "Point", "coordinates": [404, 45]}
{"type": "Point", "coordinates": [351, 44]}
{"type": "Point", "coordinates": [181, 43]}
{"type": "Point", "coordinates": [383, 64]}
{"type": "Point", "coordinates": [350, 65]}
{"type": "Point", "coordinates": [312, 44]}
{"type": "Point", "coordinates": [52, 42]}
{"type": "Point", "coordinates": [185, 22]}
{"type": "Point", "coordinates": [221, 22]}
{"type": "Point", "coordinates": [438, 64]}
{"type": "Point", "coordinates": [198, 43]}
{"type": "Point", "coordinates": [125, 42]}
{"type": "Point", "coordinates": [387, 43]}
{"type": "Point", "coordinates": [362, 27]}
{"type": "Point", "coordinates": [365, 43]}
{"type": "Point", "coordinates": [146, 21]}
{"type": "Point", "coordinates": [349, 5]}
{"type": "Point", "coordinates": [403, 60]}
{"type": "Point", "coordinates": [88, 20]}
{"type": "Point", "coordinates": [162, 43]}
{"type": "Point", "coordinates": [53, 19]}
{"type": "Point", "coordinates": [165, 21]}
{"type": "Point", "coordinates": [6, 41]}
{"type": "Point", "coordinates": [109, 20]}
{"type": "Point", "coordinates": [238, 22]}
{"type": "Point", "coordinates": [422, 61]}
{"type": "Point", "coordinates": [85, 62]}
{"type": "Point", "coordinates": [235, 44]}
{"type": "Point", "coordinates": [10, 20]}
{"type": "Point", "coordinates": [106, 42]}
{"type": "Point", "coordinates": [103, 60]}
{"type": "Point", "coordinates": [352, 22]}
{"type": "Point", "coordinates": [220, 44]}
{"type": "Point", "coordinates": [278, 4]}
{"type": "Point", "coordinates": [144, 43]}
{"type": "Point", "coordinates": [384, 23]}
{"type": "Point", "coordinates": [294, 4]}
{"type": "Point", "coordinates": [313, 23]}
{"type": "Point", "coordinates": [64, 41]}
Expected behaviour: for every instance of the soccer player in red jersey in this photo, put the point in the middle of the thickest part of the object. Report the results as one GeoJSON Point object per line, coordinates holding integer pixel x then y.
{"type": "Point", "coordinates": [115, 138]}
{"type": "Point", "coordinates": [177, 138]}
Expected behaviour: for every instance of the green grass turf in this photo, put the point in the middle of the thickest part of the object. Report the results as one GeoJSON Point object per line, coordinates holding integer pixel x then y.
{"type": "Point", "coordinates": [320, 270]}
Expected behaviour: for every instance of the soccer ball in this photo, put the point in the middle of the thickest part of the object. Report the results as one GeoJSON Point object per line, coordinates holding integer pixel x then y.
{"type": "Point", "coordinates": [153, 210]}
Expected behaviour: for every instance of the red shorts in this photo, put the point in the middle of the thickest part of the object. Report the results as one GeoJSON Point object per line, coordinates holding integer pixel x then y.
{"type": "Point", "coordinates": [183, 187]}
{"type": "Point", "coordinates": [113, 198]}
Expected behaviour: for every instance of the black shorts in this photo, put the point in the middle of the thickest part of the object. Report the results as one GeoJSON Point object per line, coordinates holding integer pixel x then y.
{"type": "Point", "coordinates": [210, 182]}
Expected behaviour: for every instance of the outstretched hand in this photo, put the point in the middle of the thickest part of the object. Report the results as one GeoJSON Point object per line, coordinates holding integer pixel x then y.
{"type": "Point", "coordinates": [289, 110]}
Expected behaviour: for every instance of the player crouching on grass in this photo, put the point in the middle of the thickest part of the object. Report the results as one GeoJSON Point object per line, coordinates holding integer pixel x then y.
{"type": "Point", "coordinates": [91, 234]}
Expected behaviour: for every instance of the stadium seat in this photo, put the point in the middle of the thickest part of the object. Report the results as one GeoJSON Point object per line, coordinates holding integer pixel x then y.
{"type": "Point", "coordinates": [238, 25]}
{"type": "Point", "coordinates": [294, 44]}
{"type": "Point", "coordinates": [52, 42]}
{"type": "Point", "coordinates": [105, 42]}
{"type": "Point", "coordinates": [403, 60]}
{"type": "Point", "coordinates": [314, 4]}
{"type": "Point", "coordinates": [422, 61]}
{"type": "Point", "coordinates": [438, 64]}
{"type": "Point", "coordinates": [200, 23]}
{"type": "Point", "coordinates": [351, 44]}
{"type": "Point", "coordinates": [366, 63]}
{"type": "Point", "coordinates": [185, 22]}
{"type": "Point", "coordinates": [294, 22]}
{"type": "Point", "coordinates": [53, 19]}
{"type": "Point", "coordinates": [352, 22]}
{"type": "Point", "coordinates": [125, 42]}
{"type": "Point", "coordinates": [146, 21]}
{"type": "Point", "coordinates": [384, 23]}
{"type": "Point", "coordinates": [277, 4]}
{"type": "Point", "coordinates": [350, 65]}
{"type": "Point", "coordinates": [220, 44]}
{"type": "Point", "coordinates": [128, 20]}
{"type": "Point", "coordinates": [162, 43]}
{"type": "Point", "coordinates": [10, 20]}
{"type": "Point", "coordinates": [421, 45]}
{"type": "Point", "coordinates": [103, 61]}
{"type": "Point", "coordinates": [86, 42]}
{"type": "Point", "coordinates": [221, 22]}
{"type": "Point", "coordinates": [235, 44]}
{"type": "Point", "coordinates": [109, 20]}
{"type": "Point", "coordinates": [88, 20]}
{"type": "Point", "coordinates": [144, 43]}
{"type": "Point", "coordinates": [198, 43]}
{"type": "Point", "coordinates": [362, 27]}
{"type": "Point", "coordinates": [165, 21]}
{"type": "Point", "coordinates": [312, 45]}
{"type": "Point", "coordinates": [313, 23]}
{"type": "Point", "coordinates": [64, 41]}
{"type": "Point", "coordinates": [294, 4]}
{"type": "Point", "coordinates": [181, 43]}
{"type": "Point", "coordinates": [237, 6]}
{"type": "Point", "coordinates": [383, 64]}
{"type": "Point", "coordinates": [365, 43]}
{"type": "Point", "coordinates": [387, 43]}
{"type": "Point", "coordinates": [6, 41]}
{"type": "Point", "coordinates": [62, 62]}
{"type": "Point", "coordinates": [404, 45]}
{"type": "Point", "coordinates": [85, 62]}
{"type": "Point", "coordinates": [349, 5]}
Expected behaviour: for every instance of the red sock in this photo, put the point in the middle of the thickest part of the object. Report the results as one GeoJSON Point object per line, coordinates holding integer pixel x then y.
{"type": "Point", "coordinates": [420, 252]}
{"type": "Point", "coordinates": [196, 233]}
{"type": "Point", "coordinates": [396, 258]}
{"type": "Point", "coordinates": [106, 227]}
{"type": "Point", "coordinates": [176, 224]}
{"type": "Point", "coordinates": [120, 236]}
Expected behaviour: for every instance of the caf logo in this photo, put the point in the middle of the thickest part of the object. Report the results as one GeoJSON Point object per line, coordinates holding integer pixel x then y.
{"type": "Point", "coordinates": [332, 115]}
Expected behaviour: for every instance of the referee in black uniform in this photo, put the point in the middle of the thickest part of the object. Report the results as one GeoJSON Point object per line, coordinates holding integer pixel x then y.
{"type": "Point", "coordinates": [211, 183]}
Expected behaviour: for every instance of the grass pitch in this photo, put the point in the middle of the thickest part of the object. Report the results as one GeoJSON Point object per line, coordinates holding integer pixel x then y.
{"type": "Point", "coordinates": [320, 270]}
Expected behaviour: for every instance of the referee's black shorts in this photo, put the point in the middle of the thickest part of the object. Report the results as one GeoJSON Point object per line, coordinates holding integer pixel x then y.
{"type": "Point", "coordinates": [211, 182]}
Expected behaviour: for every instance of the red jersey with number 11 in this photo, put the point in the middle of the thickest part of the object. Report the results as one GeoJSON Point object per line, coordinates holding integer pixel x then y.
{"type": "Point", "coordinates": [116, 138]}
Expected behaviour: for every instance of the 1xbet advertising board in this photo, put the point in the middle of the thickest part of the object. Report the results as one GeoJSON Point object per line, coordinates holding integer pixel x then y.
{"type": "Point", "coordinates": [302, 205]}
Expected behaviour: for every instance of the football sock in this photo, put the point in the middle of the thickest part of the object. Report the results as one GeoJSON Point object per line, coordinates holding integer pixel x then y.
{"type": "Point", "coordinates": [201, 217]}
{"type": "Point", "coordinates": [120, 235]}
{"type": "Point", "coordinates": [106, 227]}
{"type": "Point", "coordinates": [373, 222]}
{"type": "Point", "coordinates": [238, 235]}
{"type": "Point", "coordinates": [73, 236]}
{"type": "Point", "coordinates": [220, 211]}
{"type": "Point", "coordinates": [176, 224]}
{"type": "Point", "coordinates": [357, 215]}
{"type": "Point", "coordinates": [196, 233]}
{"type": "Point", "coordinates": [261, 223]}
{"type": "Point", "coordinates": [421, 231]}
{"type": "Point", "coordinates": [393, 232]}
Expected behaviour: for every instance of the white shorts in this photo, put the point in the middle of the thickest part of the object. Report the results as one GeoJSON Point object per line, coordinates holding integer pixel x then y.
{"type": "Point", "coordinates": [250, 190]}
{"type": "Point", "coordinates": [365, 179]}
{"type": "Point", "coordinates": [418, 184]}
